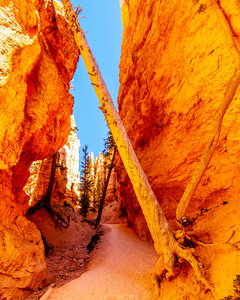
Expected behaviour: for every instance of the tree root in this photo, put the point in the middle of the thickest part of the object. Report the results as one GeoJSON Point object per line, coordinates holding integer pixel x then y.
{"type": "Point", "coordinates": [57, 217]}
{"type": "Point", "coordinates": [53, 212]}
{"type": "Point", "coordinates": [180, 235]}
{"type": "Point", "coordinates": [181, 254]}
{"type": "Point", "coordinates": [178, 253]}
{"type": "Point", "coordinates": [197, 242]}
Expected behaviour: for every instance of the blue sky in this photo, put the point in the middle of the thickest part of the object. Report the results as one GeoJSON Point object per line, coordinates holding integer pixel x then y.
{"type": "Point", "coordinates": [102, 23]}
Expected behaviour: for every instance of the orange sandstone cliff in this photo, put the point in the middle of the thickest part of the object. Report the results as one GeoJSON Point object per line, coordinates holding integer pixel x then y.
{"type": "Point", "coordinates": [38, 59]}
{"type": "Point", "coordinates": [174, 69]}
{"type": "Point", "coordinates": [67, 177]}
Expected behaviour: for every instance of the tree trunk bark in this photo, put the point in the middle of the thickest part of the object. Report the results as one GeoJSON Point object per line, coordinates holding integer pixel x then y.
{"type": "Point", "coordinates": [162, 234]}
{"type": "Point", "coordinates": [217, 121]}
{"type": "Point", "coordinates": [98, 219]}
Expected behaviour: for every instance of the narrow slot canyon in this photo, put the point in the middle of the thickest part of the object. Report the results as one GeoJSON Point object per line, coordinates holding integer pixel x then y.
{"type": "Point", "coordinates": [146, 207]}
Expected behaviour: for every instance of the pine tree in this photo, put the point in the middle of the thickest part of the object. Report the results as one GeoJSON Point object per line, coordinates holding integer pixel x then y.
{"type": "Point", "coordinates": [109, 145]}
{"type": "Point", "coordinates": [85, 182]}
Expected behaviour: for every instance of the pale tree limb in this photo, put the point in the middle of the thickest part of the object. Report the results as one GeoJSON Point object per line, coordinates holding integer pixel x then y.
{"type": "Point", "coordinates": [162, 234]}
{"type": "Point", "coordinates": [231, 89]}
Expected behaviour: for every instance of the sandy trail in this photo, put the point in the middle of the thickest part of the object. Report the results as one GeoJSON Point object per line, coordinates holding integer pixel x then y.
{"type": "Point", "coordinates": [119, 269]}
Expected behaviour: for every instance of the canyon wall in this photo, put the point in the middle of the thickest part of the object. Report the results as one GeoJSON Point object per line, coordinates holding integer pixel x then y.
{"type": "Point", "coordinates": [38, 59]}
{"type": "Point", "coordinates": [174, 69]}
{"type": "Point", "coordinates": [67, 177]}
{"type": "Point", "coordinates": [102, 164]}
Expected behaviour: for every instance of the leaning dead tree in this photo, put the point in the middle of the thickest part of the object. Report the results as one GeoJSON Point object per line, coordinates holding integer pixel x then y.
{"type": "Point", "coordinates": [45, 202]}
{"type": "Point", "coordinates": [231, 89]}
{"type": "Point", "coordinates": [98, 219]}
{"type": "Point", "coordinates": [165, 242]}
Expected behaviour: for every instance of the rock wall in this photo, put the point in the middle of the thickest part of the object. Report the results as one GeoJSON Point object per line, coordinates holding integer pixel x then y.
{"type": "Point", "coordinates": [38, 59]}
{"type": "Point", "coordinates": [67, 177]}
{"type": "Point", "coordinates": [102, 164]}
{"type": "Point", "coordinates": [72, 161]}
{"type": "Point", "coordinates": [174, 69]}
{"type": "Point", "coordinates": [111, 189]}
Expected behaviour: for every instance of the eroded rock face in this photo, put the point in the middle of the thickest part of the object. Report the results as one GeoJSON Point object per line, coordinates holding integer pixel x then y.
{"type": "Point", "coordinates": [174, 70]}
{"type": "Point", "coordinates": [102, 164]}
{"type": "Point", "coordinates": [67, 177]}
{"type": "Point", "coordinates": [38, 59]}
{"type": "Point", "coordinates": [72, 164]}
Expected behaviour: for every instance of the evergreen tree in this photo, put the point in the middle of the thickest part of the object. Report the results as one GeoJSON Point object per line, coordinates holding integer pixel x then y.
{"type": "Point", "coordinates": [109, 148]}
{"type": "Point", "coordinates": [109, 145]}
{"type": "Point", "coordinates": [85, 182]}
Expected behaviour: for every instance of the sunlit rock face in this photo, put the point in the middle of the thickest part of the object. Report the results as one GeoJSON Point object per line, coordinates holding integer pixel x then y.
{"type": "Point", "coordinates": [38, 59]}
{"type": "Point", "coordinates": [99, 178]}
{"type": "Point", "coordinates": [111, 189]}
{"type": "Point", "coordinates": [102, 164]}
{"type": "Point", "coordinates": [72, 160]}
{"type": "Point", "coordinates": [174, 69]}
{"type": "Point", "coordinates": [67, 177]}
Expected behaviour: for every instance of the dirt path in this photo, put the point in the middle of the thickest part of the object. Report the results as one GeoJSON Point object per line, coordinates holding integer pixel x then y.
{"type": "Point", "coordinates": [119, 269]}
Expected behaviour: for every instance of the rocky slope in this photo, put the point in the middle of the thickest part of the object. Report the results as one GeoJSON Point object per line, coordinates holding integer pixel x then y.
{"type": "Point", "coordinates": [38, 60]}
{"type": "Point", "coordinates": [174, 69]}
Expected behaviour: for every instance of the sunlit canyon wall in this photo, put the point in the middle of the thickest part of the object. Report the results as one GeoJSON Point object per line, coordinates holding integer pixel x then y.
{"type": "Point", "coordinates": [38, 59]}
{"type": "Point", "coordinates": [174, 69]}
{"type": "Point", "coordinates": [67, 177]}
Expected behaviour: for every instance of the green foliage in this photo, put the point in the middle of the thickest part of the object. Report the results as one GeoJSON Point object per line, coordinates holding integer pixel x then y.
{"type": "Point", "coordinates": [236, 285]}
{"type": "Point", "coordinates": [109, 145]}
{"type": "Point", "coordinates": [86, 182]}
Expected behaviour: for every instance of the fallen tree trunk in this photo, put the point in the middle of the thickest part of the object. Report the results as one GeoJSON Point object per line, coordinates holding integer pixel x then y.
{"type": "Point", "coordinates": [231, 89]}
{"type": "Point", "coordinates": [161, 232]}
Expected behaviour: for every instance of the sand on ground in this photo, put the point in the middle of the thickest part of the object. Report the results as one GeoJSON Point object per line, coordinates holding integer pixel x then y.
{"type": "Point", "coordinates": [119, 269]}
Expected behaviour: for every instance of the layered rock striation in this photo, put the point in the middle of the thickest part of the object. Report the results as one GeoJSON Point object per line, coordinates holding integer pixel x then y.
{"type": "Point", "coordinates": [38, 59]}
{"type": "Point", "coordinates": [174, 69]}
